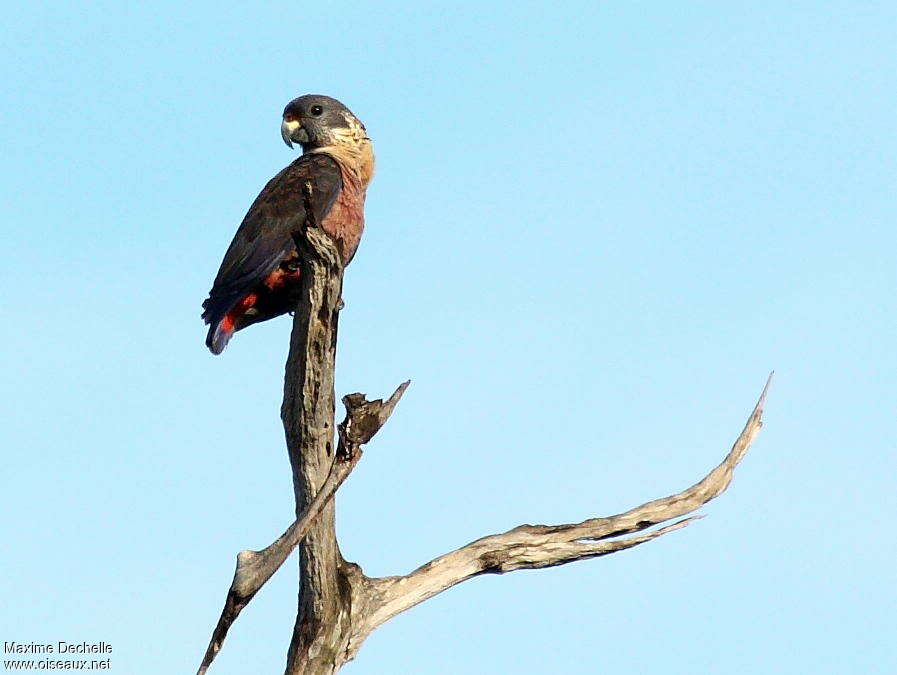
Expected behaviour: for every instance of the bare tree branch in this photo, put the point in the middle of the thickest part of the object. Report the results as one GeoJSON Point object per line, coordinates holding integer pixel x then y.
{"type": "Point", "coordinates": [363, 420]}
{"type": "Point", "coordinates": [254, 568]}
{"type": "Point", "coordinates": [537, 546]}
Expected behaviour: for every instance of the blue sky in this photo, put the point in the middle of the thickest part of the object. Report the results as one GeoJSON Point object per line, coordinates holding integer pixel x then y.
{"type": "Point", "coordinates": [594, 230]}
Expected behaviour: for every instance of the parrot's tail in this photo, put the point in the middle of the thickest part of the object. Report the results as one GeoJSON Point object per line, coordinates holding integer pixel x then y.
{"type": "Point", "coordinates": [220, 334]}
{"type": "Point", "coordinates": [221, 331]}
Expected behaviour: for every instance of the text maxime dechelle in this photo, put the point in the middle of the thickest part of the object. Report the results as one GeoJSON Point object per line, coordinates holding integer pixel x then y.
{"type": "Point", "coordinates": [60, 647]}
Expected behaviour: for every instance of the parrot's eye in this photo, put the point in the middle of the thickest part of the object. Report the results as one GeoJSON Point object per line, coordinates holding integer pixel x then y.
{"type": "Point", "coordinates": [316, 110]}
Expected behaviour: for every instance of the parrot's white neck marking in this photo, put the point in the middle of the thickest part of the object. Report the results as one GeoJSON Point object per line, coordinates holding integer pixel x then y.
{"type": "Point", "coordinates": [352, 148]}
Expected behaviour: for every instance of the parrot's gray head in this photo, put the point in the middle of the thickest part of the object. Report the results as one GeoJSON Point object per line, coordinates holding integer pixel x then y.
{"type": "Point", "coordinates": [316, 121]}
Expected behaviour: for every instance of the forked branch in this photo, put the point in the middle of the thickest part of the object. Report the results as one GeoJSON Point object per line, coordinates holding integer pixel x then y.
{"type": "Point", "coordinates": [363, 420]}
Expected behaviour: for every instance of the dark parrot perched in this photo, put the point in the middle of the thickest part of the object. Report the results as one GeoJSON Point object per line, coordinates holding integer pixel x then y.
{"type": "Point", "coordinates": [258, 278]}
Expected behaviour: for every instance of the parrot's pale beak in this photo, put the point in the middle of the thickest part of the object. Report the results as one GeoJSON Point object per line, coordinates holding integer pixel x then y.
{"type": "Point", "coordinates": [293, 130]}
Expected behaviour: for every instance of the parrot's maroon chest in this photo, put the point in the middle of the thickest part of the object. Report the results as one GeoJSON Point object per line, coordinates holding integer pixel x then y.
{"type": "Point", "coordinates": [345, 220]}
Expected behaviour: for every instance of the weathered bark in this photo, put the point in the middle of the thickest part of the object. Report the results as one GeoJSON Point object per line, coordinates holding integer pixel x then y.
{"type": "Point", "coordinates": [307, 413]}
{"type": "Point", "coordinates": [254, 568]}
{"type": "Point", "coordinates": [338, 605]}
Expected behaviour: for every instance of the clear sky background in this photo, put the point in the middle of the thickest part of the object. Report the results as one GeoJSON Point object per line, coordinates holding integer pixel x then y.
{"type": "Point", "coordinates": [595, 228]}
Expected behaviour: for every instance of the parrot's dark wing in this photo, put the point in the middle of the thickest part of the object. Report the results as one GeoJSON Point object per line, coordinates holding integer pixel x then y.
{"type": "Point", "coordinates": [265, 238]}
